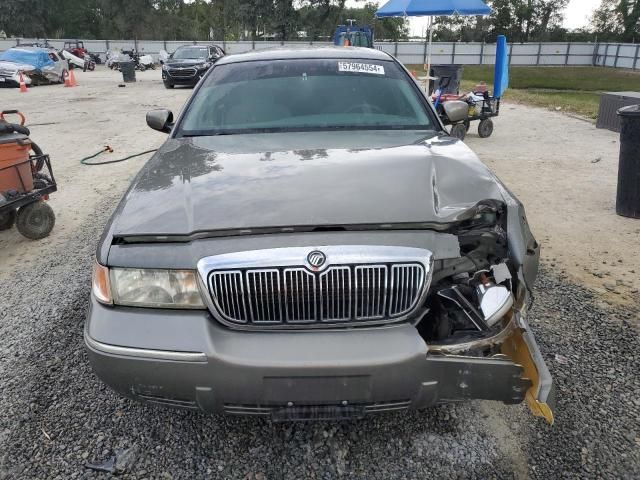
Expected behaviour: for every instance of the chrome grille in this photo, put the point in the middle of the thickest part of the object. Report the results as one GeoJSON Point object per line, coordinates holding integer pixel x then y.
{"type": "Point", "coordinates": [263, 295]}
{"type": "Point", "coordinates": [182, 73]}
{"type": "Point", "coordinates": [335, 294]}
{"type": "Point", "coordinates": [406, 283]}
{"type": "Point", "coordinates": [370, 291]}
{"type": "Point", "coordinates": [299, 295]}
{"type": "Point", "coordinates": [279, 288]}
{"type": "Point", "coordinates": [227, 289]}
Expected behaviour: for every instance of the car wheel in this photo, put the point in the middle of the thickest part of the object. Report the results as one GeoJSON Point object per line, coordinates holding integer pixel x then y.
{"type": "Point", "coordinates": [485, 129]}
{"type": "Point", "coordinates": [459, 131]}
{"type": "Point", "coordinates": [7, 219]}
{"type": "Point", "coordinates": [168, 85]}
{"type": "Point", "coordinates": [142, 68]}
{"type": "Point", "coordinates": [36, 220]}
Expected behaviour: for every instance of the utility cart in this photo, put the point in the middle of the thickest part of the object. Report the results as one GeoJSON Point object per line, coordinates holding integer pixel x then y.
{"type": "Point", "coordinates": [479, 105]}
{"type": "Point", "coordinates": [460, 111]}
{"type": "Point", "coordinates": [26, 181]}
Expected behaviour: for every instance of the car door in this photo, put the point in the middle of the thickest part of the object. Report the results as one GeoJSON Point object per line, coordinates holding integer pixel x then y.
{"type": "Point", "coordinates": [216, 53]}
{"type": "Point", "coordinates": [60, 64]}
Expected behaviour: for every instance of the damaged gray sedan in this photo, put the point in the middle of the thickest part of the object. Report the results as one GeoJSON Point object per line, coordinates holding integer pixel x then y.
{"type": "Point", "coordinates": [310, 243]}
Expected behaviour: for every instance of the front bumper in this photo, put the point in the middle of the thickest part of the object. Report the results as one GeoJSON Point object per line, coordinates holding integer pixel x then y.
{"type": "Point", "coordinates": [180, 80]}
{"type": "Point", "coordinates": [13, 80]}
{"type": "Point", "coordinates": [186, 359]}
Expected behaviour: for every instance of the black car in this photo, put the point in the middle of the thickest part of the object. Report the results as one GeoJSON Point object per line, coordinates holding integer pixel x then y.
{"type": "Point", "coordinates": [189, 63]}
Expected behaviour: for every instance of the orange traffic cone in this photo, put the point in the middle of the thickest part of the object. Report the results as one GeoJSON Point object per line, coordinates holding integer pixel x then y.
{"type": "Point", "coordinates": [73, 79]}
{"type": "Point", "coordinates": [67, 81]}
{"type": "Point", "coordinates": [23, 86]}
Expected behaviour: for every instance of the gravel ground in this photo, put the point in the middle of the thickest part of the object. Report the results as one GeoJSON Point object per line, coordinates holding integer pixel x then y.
{"type": "Point", "coordinates": [56, 416]}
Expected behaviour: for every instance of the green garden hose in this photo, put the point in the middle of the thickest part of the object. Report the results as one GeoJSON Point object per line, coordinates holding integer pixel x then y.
{"type": "Point", "coordinates": [85, 160]}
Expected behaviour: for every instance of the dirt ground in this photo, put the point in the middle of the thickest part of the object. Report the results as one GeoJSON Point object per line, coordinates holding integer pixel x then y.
{"type": "Point", "coordinates": [562, 168]}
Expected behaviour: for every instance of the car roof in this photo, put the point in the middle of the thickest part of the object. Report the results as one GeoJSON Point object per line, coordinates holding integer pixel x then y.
{"type": "Point", "coordinates": [199, 45]}
{"type": "Point", "coordinates": [31, 49]}
{"type": "Point", "coordinates": [307, 52]}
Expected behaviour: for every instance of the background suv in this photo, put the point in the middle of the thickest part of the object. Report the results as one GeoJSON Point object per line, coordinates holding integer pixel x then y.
{"type": "Point", "coordinates": [189, 63]}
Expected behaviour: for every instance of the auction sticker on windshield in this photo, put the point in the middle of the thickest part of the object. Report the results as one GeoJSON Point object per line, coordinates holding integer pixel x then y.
{"type": "Point", "coordinates": [360, 68]}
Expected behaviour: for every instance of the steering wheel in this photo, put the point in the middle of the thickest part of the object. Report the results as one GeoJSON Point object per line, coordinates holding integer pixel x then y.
{"type": "Point", "coordinates": [365, 108]}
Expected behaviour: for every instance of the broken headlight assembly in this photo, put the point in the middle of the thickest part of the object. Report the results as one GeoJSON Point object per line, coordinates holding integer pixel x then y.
{"type": "Point", "coordinates": [152, 288]}
{"type": "Point", "coordinates": [471, 297]}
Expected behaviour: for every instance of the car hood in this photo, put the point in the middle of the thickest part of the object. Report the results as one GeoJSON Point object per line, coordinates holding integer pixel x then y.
{"type": "Point", "coordinates": [303, 180]}
{"type": "Point", "coordinates": [6, 66]}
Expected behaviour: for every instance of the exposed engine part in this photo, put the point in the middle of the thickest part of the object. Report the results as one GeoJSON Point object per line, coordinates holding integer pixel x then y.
{"type": "Point", "coordinates": [495, 300]}
{"type": "Point", "coordinates": [471, 295]}
{"type": "Point", "coordinates": [455, 295]}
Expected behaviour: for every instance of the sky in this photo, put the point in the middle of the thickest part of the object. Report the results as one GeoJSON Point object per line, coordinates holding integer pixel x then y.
{"type": "Point", "coordinates": [576, 15]}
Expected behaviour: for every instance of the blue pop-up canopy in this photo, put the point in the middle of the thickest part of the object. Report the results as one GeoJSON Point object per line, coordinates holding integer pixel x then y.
{"type": "Point", "coordinates": [432, 8]}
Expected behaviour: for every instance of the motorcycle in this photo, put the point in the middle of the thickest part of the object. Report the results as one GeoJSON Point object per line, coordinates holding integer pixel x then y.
{"type": "Point", "coordinates": [142, 62]}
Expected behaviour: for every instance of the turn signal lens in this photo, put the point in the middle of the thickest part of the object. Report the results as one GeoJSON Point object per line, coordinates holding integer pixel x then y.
{"type": "Point", "coordinates": [100, 284]}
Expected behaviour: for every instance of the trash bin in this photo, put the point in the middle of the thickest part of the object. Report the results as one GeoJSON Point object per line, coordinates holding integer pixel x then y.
{"type": "Point", "coordinates": [628, 201]}
{"type": "Point", "coordinates": [128, 70]}
{"type": "Point", "coordinates": [449, 78]}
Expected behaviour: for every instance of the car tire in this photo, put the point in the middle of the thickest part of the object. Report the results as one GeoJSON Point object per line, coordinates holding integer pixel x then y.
{"type": "Point", "coordinates": [459, 131]}
{"type": "Point", "coordinates": [168, 85]}
{"type": "Point", "coordinates": [142, 68]}
{"type": "Point", "coordinates": [485, 129]}
{"type": "Point", "coordinates": [36, 220]}
{"type": "Point", "coordinates": [7, 219]}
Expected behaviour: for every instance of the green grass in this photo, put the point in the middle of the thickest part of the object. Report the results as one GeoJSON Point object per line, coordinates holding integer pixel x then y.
{"type": "Point", "coordinates": [570, 89]}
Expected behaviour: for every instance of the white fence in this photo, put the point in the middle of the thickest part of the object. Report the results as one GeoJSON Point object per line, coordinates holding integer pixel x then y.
{"type": "Point", "coordinates": [617, 55]}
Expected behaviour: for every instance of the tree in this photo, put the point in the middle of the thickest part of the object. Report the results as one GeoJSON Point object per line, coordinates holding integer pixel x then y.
{"type": "Point", "coordinates": [617, 20]}
{"type": "Point", "coordinates": [526, 20]}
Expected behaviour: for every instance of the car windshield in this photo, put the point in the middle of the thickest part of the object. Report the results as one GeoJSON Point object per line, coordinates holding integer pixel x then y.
{"type": "Point", "coordinates": [190, 53]}
{"type": "Point", "coordinates": [304, 94]}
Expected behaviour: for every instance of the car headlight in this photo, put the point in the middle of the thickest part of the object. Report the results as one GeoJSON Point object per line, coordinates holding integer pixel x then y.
{"type": "Point", "coordinates": [204, 65]}
{"type": "Point", "coordinates": [165, 67]}
{"type": "Point", "coordinates": [153, 288]}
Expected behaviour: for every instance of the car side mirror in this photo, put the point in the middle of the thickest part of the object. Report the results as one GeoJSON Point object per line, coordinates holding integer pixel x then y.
{"type": "Point", "coordinates": [160, 120]}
